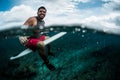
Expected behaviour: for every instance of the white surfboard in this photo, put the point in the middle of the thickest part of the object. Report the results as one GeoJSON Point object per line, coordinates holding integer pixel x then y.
{"type": "Point", "coordinates": [27, 51]}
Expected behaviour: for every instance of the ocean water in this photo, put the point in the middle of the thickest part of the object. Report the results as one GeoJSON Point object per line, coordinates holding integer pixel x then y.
{"type": "Point", "coordinates": [81, 54]}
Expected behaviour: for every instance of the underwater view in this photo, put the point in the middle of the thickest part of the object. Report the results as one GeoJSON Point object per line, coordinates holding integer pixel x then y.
{"type": "Point", "coordinates": [81, 54]}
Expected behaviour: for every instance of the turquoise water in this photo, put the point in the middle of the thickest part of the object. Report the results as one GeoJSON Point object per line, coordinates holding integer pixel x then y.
{"type": "Point", "coordinates": [81, 54]}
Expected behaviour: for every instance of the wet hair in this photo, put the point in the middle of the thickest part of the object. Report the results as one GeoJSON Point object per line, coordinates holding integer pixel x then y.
{"type": "Point", "coordinates": [42, 7]}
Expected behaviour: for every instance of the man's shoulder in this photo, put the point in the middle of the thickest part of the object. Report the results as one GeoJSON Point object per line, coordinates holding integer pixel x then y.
{"type": "Point", "coordinates": [32, 18]}
{"type": "Point", "coordinates": [31, 21]}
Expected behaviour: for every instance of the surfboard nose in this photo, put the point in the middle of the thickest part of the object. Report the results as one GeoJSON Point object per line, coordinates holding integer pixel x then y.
{"type": "Point", "coordinates": [11, 58]}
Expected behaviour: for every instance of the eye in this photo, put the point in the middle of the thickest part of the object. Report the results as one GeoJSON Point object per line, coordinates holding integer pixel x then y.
{"type": "Point", "coordinates": [42, 11]}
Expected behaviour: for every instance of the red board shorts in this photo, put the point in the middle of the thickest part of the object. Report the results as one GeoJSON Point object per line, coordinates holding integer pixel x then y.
{"type": "Point", "coordinates": [32, 42]}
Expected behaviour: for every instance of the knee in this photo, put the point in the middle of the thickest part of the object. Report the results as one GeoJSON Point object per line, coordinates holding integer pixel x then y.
{"type": "Point", "coordinates": [40, 44]}
{"type": "Point", "coordinates": [47, 37]}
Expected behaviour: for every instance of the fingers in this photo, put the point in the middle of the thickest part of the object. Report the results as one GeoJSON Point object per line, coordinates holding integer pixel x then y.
{"type": "Point", "coordinates": [23, 40]}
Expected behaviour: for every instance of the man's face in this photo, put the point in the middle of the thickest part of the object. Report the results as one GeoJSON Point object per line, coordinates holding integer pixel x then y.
{"type": "Point", "coordinates": [41, 13]}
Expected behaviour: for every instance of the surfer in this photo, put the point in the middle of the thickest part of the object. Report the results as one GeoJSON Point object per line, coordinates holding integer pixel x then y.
{"type": "Point", "coordinates": [35, 42]}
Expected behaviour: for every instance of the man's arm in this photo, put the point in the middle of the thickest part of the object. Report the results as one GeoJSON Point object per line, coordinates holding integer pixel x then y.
{"type": "Point", "coordinates": [29, 23]}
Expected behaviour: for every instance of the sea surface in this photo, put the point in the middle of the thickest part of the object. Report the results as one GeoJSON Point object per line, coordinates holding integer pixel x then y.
{"type": "Point", "coordinates": [81, 54]}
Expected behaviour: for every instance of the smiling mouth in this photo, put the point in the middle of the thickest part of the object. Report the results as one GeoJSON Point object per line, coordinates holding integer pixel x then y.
{"type": "Point", "coordinates": [42, 15]}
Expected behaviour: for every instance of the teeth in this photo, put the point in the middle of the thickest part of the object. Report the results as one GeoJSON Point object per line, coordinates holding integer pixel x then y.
{"type": "Point", "coordinates": [41, 15]}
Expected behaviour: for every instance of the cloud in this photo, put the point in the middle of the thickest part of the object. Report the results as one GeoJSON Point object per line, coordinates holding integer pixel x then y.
{"type": "Point", "coordinates": [106, 23]}
{"type": "Point", "coordinates": [117, 20]}
{"type": "Point", "coordinates": [113, 5]}
{"type": "Point", "coordinates": [15, 17]}
{"type": "Point", "coordinates": [83, 1]}
{"type": "Point", "coordinates": [105, 18]}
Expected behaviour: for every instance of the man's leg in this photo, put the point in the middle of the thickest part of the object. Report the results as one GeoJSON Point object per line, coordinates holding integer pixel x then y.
{"type": "Point", "coordinates": [43, 55]}
{"type": "Point", "coordinates": [49, 50]}
{"type": "Point", "coordinates": [49, 47]}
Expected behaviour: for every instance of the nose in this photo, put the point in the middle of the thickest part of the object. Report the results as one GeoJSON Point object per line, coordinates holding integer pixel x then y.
{"type": "Point", "coordinates": [43, 12]}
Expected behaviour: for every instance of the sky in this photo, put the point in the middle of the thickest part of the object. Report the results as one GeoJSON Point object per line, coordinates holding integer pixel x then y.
{"type": "Point", "coordinates": [101, 15]}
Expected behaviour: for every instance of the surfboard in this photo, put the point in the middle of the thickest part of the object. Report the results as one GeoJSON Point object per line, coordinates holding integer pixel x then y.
{"type": "Point", "coordinates": [27, 51]}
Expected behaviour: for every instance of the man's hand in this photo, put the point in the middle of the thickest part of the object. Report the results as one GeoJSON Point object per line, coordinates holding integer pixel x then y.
{"type": "Point", "coordinates": [23, 40]}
